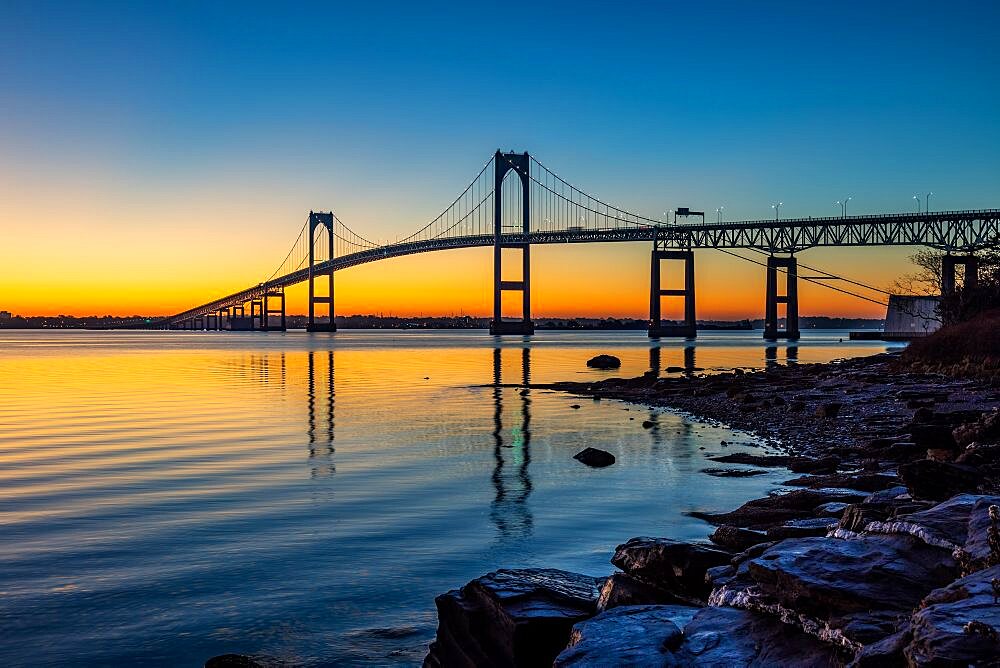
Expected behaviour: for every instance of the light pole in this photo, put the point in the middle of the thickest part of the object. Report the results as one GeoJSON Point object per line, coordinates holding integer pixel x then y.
{"type": "Point", "coordinates": [916, 198]}
{"type": "Point", "coordinates": [927, 203]}
{"type": "Point", "coordinates": [777, 209]}
{"type": "Point", "coordinates": [718, 214]}
{"type": "Point", "coordinates": [843, 206]}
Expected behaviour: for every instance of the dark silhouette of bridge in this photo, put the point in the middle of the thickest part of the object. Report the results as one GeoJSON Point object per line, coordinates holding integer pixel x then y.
{"type": "Point", "coordinates": [515, 202]}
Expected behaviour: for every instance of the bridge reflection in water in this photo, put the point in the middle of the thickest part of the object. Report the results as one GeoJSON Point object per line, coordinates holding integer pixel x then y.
{"type": "Point", "coordinates": [509, 510]}
{"type": "Point", "coordinates": [320, 407]}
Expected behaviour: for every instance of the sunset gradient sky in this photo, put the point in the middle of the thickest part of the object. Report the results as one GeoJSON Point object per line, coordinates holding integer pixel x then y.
{"type": "Point", "coordinates": [156, 155]}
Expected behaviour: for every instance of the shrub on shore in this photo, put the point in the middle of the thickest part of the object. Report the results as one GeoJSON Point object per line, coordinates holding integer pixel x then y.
{"type": "Point", "coordinates": [970, 348]}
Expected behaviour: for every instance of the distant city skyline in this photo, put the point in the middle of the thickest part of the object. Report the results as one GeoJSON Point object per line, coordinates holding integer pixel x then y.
{"type": "Point", "coordinates": [158, 156]}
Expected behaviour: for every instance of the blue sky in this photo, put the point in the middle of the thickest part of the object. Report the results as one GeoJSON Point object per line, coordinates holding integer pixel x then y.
{"type": "Point", "coordinates": [383, 111]}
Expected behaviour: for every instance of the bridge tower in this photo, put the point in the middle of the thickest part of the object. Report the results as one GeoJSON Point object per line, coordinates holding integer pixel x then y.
{"type": "Point", "coordinates": [324, 220]}
{"type": "Point", "coordinates": [688, 328]}
{"type": "Point", "coordinates": [502, 164]}
{"type": "Point", "coordinates": [789, 266]}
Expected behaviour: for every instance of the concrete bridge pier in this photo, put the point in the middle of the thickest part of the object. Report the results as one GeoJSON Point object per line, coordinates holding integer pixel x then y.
{"type": "Point", "coordinates": [256, 314]}
{"type": "Point", "coordinates": [789, 266]}
{"type": "Point", "coordinates": [688, 328]}
{"type": "Point", "coordinates": [970, 264]}
{"type": "Point", "coordinates": [325, 221]}
{"type": "Point", "coordinates": [273, 318]}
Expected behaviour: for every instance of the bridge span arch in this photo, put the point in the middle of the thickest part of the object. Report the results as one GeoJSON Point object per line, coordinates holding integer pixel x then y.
{"type": "Point", "coordinates": [549, 210]}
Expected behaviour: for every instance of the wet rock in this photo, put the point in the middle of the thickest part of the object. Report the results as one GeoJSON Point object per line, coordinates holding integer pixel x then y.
{"type": "Point", "coordinates": [834, 509]}
{"type": "Point", "coordinates": [511, 618]}
{"type": "Point", "coordinates": [243, 661]}
{"type": "Point", "coordinates": [865, 482]}
{"type": "Point", "coordinates": [737, 538]}
{"type": "Point", "coordinates": [944, 525]}
{"type": "Point", "coordinates": [959, 624]}
{"type": "Point", "coordinates": [780, 508]}
{"type": "Point", "coordinates": [810, 526]}
{"type": "Point", "coordinates": [978, 552]}
{"type": "Point", "coordinates": [885, 653]}
{"type": "Point", "coordinates": [829, 410]}
{"type": "Point", "coordinates": [731, 637]}
{"type": "Point", "coordinates": [674, 369]}
{"type": "Point", "coordinates": [604, 362]}
{"type": "Point", "coordinates": [829, 577]}
{"type": "Point", "coordinates": [673, 565]}
{"type": "Point", "coordinates": [733, 473]}
{"type": "Point", "coordinates": [594, 457]}
{"type": "Point", "coordinates": [755, 460]}
{"type": "Point", "coordinates": [644, 635]}
{"type": "Point", "coordinates": [623, 589]}
{"type": "Point", "coordinates": [648, 424]}
{"type": "Point", "coordinates": [810, 465]}
{"type": "Point", "coordinates": [926, 479]}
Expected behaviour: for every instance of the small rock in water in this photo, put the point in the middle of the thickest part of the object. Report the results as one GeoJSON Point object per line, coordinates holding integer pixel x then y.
{"type": "Point", "coordinates": [674, 369]}
{"type": "Point", "coordinates": [594, 457]}
{"type": "Point", "coordinates": [648, 424]}
{"type": "Point", "coordinates": [733, 473]}
{"type": "Point", "coordinates": [604, 362]}
{"type": "Point", "coordinates": [574, 406]}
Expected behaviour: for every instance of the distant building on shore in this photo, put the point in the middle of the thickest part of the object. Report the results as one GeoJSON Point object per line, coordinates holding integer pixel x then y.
{"type": "Point", "coordinates": [912, 314]}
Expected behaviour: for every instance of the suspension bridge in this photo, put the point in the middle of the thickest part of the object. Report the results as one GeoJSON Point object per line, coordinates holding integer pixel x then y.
{"type": "Point", "coordinates": [515, 202]}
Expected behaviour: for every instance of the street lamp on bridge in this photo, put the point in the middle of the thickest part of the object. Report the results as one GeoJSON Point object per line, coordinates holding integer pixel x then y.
{"type": "Point", "coordinates": [916, 198]}
{"type": "Point", "coordinates": [718, 214]}
{"type": "Point", "coordinates": [843, 206]}
{"type": "Point", "coordinates": [927, 203]}
{"type": "Point", "coordinates": [777, 209]}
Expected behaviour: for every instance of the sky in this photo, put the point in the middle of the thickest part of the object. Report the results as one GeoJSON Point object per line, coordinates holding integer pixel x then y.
{"type": "Point", "coordinates": [154, 156]}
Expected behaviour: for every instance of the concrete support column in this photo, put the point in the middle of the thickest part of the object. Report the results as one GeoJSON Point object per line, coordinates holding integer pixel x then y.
{"type": "Point", "coordinates": [948, 263]}
{"type": "Point", "coordinates": [688, 328]}
{"type": "Point", "coordinates": [256, 314]}
{"type": "Point", "coordinates": [274, 318]}
{"type": "Point", "coordinates": [789, 267]}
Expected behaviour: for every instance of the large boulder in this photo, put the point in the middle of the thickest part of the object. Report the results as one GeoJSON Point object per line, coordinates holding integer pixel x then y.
{"type": "Point", "coordinates": [604, 362]}
{"type": "Point", "coordinates": [727, 637]}
{"type": "Point", "coordinates": [511, 618]}
{"type": "Point", "coordinates": [641, 635]}
{"type": "Point", "coordinates": [928, 479]}
{"type": "Point", "coordinates": [827, 577]}
{"type": "Point", "coordinates": [958, 625]}
{"type": "Point", "coordinates": [737, 538]}
{"type": "Point", "coordinates": [675, 566]}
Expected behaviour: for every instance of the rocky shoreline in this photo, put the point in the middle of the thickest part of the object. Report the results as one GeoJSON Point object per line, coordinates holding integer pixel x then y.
{"type": "Point", "coordinates": [883, 550]}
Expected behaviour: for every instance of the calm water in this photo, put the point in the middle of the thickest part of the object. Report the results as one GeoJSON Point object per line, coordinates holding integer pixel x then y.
{"type": "Point", "coordinates": [166, 496]}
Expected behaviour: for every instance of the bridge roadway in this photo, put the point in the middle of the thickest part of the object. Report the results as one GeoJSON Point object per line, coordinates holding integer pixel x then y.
{"type": "Point", "coordinates": [953, 231]}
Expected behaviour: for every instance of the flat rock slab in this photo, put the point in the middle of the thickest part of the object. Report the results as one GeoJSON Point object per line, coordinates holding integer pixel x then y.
{"type": "Point", "coordinates": [511, 618]}
{"type": "Point", "coordinates": [733, 473]}
{"type": "Point", "coordinates": [635, 635]}
{"type": "Point", "coordinates": [673, 565]}
{"type": "Point", "coordinates": [865, 482]}
{"type": "Point", "coordinates": [977, 542]}
{"type": "Point", "coordinates": [780, 508]}
{"type": "Point", "coordinates": [942, 634]}
{"type": "Point", "coordinates": [728, 638]}
{"type": "Point", "coordinates": [944, 525]}
{"type": "Point", "coordinates": [828, 577]}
